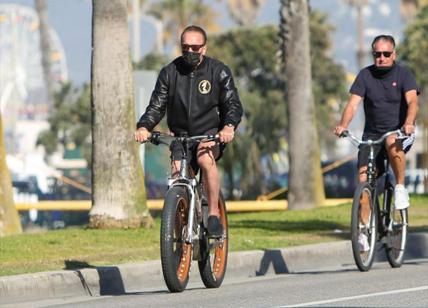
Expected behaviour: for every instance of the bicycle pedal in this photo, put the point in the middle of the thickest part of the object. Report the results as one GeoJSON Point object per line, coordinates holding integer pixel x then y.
{"type": "Point", "coordinates": [216, 243]}
{"type": "Point", "coordinates": [215, 237]}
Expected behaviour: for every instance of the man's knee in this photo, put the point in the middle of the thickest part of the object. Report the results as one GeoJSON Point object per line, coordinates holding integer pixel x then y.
{"type": "Point", "coordinates": [206, 160]}
{"type": "Point", "coordinates": [362, 174]}
{"type": "Point", "coordinates": [206, 156]}
{"type": "Point", "coordinates": [394, 145]}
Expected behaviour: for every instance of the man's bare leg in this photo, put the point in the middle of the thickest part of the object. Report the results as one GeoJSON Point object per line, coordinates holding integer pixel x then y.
{"type": "Point", "coordinates": [397, 158]}
{"type": "Point", "coordinates": [364, 199]}
{"type": "Point", "coordinates": [207, 153]}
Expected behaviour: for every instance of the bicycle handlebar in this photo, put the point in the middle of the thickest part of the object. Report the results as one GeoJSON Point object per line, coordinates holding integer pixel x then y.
{"type": "Point", "coordinates": [156, 138]}
{"type": "Point", "coordinates": [400, 134]}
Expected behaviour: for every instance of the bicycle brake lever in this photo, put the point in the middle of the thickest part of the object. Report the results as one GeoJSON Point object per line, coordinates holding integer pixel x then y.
{"type": "Point", "coordinates": [345, 133]}
{"type": "Point", "coordinates": [401, 134]}
{"type": "Point", "coordinates": [154, 139]}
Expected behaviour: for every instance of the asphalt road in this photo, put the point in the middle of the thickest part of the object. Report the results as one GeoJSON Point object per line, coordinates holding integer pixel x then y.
{"type": "Point", "coordinates": [342, 286]}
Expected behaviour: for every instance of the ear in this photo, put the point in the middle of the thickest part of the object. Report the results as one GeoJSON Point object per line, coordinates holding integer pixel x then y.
{"type": "Point", "coordinates": [204, 50]}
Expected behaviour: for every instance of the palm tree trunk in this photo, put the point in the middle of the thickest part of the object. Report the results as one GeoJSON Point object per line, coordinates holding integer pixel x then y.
{"type": "Point", "coordinates": [9, 219]}
{"type": "Point", "coordinates": [306, 188]}
{"type": "Point", "coordinates": [46, 50]}
{"type": "Point", "coordinates": [119, 198]}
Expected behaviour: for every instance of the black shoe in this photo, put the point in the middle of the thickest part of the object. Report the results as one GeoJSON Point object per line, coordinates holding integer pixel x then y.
{"type": "Point", "coordinates": [214, 227]}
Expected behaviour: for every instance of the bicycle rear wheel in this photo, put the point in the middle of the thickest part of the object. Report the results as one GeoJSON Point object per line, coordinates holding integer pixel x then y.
{"type": "Point", "coordinates": [212, 267]}
{"type": "Point", "coordinates": [396, 238]}
{"type": "Point", "coordinates": [363, 227]}
{"type": "Point", "coordinates": [176, 254]}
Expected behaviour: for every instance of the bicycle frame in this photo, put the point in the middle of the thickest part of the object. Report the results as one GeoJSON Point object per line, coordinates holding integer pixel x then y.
{"type": "Point", "coordinates": [371, 176]}
{"type": "Point", "coordinates": [383, 225]}
{"type": "Point", "coordinates": [181, 243]}
{"type": "Point", "coordinates": [371, 166]}
{"type": "Point", "coordinates": [187, 180]}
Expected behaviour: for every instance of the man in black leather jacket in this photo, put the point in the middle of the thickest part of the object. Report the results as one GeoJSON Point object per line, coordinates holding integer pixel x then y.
{"type": "Point", "coordinates": [199, 97]}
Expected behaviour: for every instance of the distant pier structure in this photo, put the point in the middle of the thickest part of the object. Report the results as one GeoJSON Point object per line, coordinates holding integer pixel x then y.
{"type": "Point", "coordinates": [23, 91]}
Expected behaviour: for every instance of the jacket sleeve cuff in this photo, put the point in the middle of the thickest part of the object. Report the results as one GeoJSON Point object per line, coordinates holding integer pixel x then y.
{"type": "Point", "coordinates": [139, 125]}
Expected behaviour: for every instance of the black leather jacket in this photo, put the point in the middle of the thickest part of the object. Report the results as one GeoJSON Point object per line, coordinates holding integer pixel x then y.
{"type": "Point", "coordinates": [195, 100]}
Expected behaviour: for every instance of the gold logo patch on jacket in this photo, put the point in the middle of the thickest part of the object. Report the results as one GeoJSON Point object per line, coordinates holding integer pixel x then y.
{"type": "Point", "coordinates": [204, 87]}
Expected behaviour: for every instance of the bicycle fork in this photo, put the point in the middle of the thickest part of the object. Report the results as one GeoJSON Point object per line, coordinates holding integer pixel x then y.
{"type": "Point", "coordinates": [190, 186]}
{"type": "Point", "coordinates": [191, 218]}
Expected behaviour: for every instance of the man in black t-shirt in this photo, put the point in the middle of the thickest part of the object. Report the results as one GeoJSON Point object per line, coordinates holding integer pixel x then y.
{"type": "Point", "coordinates": [390, 97]}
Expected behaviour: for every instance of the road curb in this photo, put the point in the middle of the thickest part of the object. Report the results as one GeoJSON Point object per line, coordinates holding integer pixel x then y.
{"type": "Point", "coordinates": [135, 277]}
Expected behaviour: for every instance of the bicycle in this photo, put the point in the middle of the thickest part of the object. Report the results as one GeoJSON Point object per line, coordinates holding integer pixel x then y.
{"type": "Point", "coordinates": [183, 235]}
{"type": "Point", "coordinates": [384, 221]}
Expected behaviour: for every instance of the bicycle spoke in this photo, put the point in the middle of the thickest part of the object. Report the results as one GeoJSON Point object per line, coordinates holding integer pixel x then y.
{"type": "Point", "coordinates": [396, 239]}
{"type": "Point", "coordinates": [363, 227]}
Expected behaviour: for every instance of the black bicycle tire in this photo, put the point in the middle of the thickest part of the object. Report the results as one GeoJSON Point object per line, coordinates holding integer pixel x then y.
{"type": "Point", "coordinates": [211, 277]}
{"type": "Point", "coordinates": [355, 220]}
{"type": "Point", "coordinates": [171, 261]}
{"type": "Point", "coordinates": [397, 261]}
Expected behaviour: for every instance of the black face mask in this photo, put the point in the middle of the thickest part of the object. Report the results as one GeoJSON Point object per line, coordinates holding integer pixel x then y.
{"type": "Point", "coordinates": [382, 71]}
{"type": "Point", "coordinates": [191, 58]}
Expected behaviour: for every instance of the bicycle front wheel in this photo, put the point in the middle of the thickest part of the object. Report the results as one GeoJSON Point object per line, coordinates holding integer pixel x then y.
{"type": "Point", "coordinates": [363, 227]}
{"type": "Point", "coordinates": [396, 234]}
{"type": "Point", "coordinates": [212, 267]}
{"type": "Point", "coordinates": [176, 254]}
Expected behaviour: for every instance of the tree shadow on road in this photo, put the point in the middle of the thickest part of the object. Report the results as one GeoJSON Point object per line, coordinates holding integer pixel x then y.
{"type": "Point", "coordinates": [274, 257]}
{"type": "Point", "coordinates": [110, 278]}
{"type": "Point", "coordinates": [76, 264]}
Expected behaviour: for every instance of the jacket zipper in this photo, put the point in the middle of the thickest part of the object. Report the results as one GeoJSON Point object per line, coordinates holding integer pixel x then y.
{"type": "Point", "coordinates": [192, 74]}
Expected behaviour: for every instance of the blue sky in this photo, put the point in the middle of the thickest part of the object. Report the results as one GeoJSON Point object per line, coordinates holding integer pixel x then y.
{"type": "Point", "coordinates": [72, 21]}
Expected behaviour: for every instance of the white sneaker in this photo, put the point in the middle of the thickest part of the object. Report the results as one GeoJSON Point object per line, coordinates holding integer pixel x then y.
{"type": "Point", "coordinates": [401, 197]}
{"type": "Point", "coordinates": [363, 242]}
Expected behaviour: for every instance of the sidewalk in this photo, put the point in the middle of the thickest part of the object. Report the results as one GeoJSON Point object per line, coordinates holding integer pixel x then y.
{"type": "Point", "coordinates": [136, 277]}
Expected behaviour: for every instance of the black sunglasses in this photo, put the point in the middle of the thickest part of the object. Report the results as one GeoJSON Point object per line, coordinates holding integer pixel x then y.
{"type": "Point", "coordinates": [378, 54]}
{"type": "Point", "coordinates": [186, 47]}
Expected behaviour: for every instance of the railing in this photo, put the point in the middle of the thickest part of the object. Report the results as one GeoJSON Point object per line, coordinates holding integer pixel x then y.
{"type": "Point", "coordinates": [156, 205]}
{"type": "Point", "coordinates": [326, 169]}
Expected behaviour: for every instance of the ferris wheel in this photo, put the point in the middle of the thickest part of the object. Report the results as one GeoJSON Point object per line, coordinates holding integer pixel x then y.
{"type": "Point", "coordinates": [22, 84]}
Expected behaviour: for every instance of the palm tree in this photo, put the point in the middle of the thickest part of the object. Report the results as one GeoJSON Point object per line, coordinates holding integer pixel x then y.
{"type": "Point", "coordinates": [244, 12]}
{"type": "Point", "coordinates": [9, 219]}
{"type": "Point", "coordinates": [415, 14]}
{"type": "Point", "coordinates": [119, 198]}
{"type": "Point", "coordinates": [177, 14]}
{"type": "Point", "coordinates": [46, 49]}
{"type": "Point", "coordinates": [306, 187]}
{"type": "Point", "coordinates": [361, 53]}
{"type": "Point", "coordinates": [409, 8]}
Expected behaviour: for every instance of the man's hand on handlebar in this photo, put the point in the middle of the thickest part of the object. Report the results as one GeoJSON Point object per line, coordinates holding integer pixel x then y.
{"type": "Point", "coordinates": [142, 135]}
{"type": "Point", "coordinates": [338, 131]}
{"type": "Point", "coordinates": [408, 129]}
{"type": "Point", "coordinates": [226, 134]}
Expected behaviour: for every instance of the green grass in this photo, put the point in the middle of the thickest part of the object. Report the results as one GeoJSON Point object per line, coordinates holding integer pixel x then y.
{"type": "Point", "coordinates": [79, 247]}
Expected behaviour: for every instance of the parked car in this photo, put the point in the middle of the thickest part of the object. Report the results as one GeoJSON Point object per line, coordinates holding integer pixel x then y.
{"type": "Point", "coordinates": [341, 181]}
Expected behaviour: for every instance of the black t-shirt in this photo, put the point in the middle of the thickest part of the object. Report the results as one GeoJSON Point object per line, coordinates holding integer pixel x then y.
{"type": "Point", "coordinates": [385, 106]}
